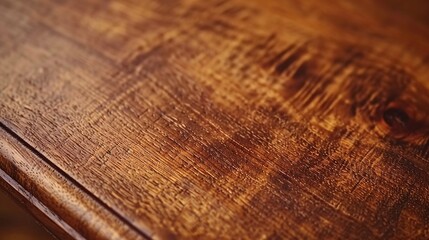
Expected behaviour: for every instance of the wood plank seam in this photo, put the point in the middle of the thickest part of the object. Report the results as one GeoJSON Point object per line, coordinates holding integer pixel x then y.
{"type": "Point", "coordinates": [71, 180]}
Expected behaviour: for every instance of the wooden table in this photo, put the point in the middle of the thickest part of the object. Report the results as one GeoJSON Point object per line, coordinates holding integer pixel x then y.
{"type": "Point", "coordinates": [228, 119]}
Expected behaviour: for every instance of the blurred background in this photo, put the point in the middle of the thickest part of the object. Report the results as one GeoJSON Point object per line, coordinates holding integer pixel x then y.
{"type": "Point", "coordinates": [17, 224]}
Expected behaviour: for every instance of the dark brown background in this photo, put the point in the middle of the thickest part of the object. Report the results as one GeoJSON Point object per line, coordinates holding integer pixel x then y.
{"type": "Point", "coordinates": [17, 224]}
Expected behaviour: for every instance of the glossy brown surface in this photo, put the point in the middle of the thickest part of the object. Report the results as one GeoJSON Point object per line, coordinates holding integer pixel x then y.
{"type": "Point", "coordinates": [217, 119]}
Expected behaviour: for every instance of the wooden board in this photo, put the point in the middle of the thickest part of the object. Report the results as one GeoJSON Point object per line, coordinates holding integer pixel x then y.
{"type": "Point", "coordinates": [217, 119]}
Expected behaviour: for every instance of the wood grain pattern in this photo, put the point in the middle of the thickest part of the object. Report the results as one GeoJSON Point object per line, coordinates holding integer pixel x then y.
{"type": "Point", "coordinates": [218, 119]}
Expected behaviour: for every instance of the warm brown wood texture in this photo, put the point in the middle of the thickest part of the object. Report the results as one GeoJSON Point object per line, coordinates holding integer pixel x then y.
{"type": "Point", "coordinates": [217, 119]}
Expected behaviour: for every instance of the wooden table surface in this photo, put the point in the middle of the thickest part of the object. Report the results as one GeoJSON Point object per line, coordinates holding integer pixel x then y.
{"type": "Point", "coordinates": [217, 119]}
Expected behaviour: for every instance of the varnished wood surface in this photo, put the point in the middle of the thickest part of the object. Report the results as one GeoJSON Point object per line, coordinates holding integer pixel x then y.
{"type": "Point", "coordinates": [217, 119]}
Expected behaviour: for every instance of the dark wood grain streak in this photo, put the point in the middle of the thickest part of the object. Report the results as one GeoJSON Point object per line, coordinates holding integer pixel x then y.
{"type": "Point", "coordinates": [218, 119]}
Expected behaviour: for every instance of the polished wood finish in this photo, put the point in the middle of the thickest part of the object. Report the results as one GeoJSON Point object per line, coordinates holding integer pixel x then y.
{"type": "Point", "coordinates": [217, 119]}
